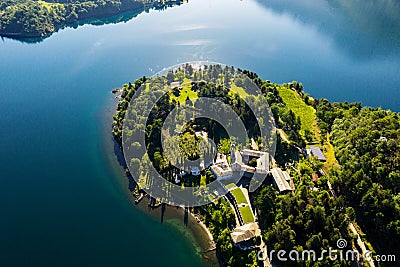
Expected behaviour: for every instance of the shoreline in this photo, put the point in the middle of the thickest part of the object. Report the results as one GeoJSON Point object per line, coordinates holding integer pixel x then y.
{"type": "Point", "coordinates": [96, 17]}
{"type": "Point", "coordinates": [195, 232]}
{"type": "Point", "coordinates": [41, 35]}
{"type": "Point", "coordinates": [205, 228]}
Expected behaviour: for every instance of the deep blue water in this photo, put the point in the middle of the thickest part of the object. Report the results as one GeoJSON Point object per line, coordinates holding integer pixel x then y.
{"type": "Point", "coordinates": [61, 201]}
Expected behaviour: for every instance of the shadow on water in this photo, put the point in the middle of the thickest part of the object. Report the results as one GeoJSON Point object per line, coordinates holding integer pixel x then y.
{"type": "Point", "coordinates": [121, 161]}
{"type": "Point", "coordinates": [163, 208]}
{"type": "Point", "coordinates": [119, 18]}
{"type": "Point", "coordinates": [186, 216]}
{"type": "Point", "coordinates": [119, 154]}
{"type": "Point", "coordinates": [363, 29]}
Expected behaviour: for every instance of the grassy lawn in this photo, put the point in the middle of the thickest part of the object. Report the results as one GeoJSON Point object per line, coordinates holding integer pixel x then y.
{"type": "Point", "coordinates": [187, 92]}
{"type": "Point", "coordinates": [230, 186]}
{"type": "Point", "coordinates": [296, 104]}
{"type": "Point", "coordinates": [49, 6]}
{"type": "Point", "coordinates": [147, 88]}
{"type": "Point", "coordinates": [329, 153]}
{"type": "Point", "coordinates": [317, 132]}
{"type": "Point", "coordinates": [246, 213]}
{"type": "Point", "coordinates": [239, 90]}
{"type": "Point", "coordinates": [238, 194]}
{"type": "Point", "coordinates": [203, 180]}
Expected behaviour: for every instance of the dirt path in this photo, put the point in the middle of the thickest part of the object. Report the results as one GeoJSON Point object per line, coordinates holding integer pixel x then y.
{"type": "Point", "coordinates": [362, 246]}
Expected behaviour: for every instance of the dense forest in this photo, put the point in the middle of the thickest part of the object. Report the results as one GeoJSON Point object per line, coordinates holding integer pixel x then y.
{"type": "Point", "coordinates": [38, 18]}
{"type": "Point", "coordinates": [367, 147]}
{"type": "Point", "coordinates": [309, 218]}
{"type": "Point", "coordinates": [365, 176]}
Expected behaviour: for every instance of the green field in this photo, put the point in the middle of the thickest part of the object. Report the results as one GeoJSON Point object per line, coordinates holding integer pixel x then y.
{"type": "Point", "coordinates": [238, 194]}
{"type": "Point", "coordinates": [246, 213]}
{"type": "Point", "coordinates": [147, 88]}
{"type": "Point", "coordinates": [329, 153]}
{"type": "Point", "coordinates": [230, 186]}
{"type": "Point", "coordinates": [203, 180]}
{"type": "Point", "coordinates": [239, 90]}
{"type": "Point", "coordinates": [187, 92]}
{"type": "Point", "coordinates": [294, 102]}
{"type": "Point", "coordinates": [49, 6]}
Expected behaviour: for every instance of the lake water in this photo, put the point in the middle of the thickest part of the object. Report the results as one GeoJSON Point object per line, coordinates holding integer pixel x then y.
{"type": "Point", "coordinates": [63, 202]}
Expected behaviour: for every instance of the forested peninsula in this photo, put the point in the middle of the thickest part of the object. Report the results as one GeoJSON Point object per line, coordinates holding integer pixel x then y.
{"type": "Point", "coordinates": [350, 191]}
{"type": "Point", "coordinates": [39, 18]}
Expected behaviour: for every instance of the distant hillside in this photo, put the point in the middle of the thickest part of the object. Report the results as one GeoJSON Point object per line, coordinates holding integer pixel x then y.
{"type": "Point", "coordinates": [38, 18]}
{"type": "Point", "coordinates": [366, 28]}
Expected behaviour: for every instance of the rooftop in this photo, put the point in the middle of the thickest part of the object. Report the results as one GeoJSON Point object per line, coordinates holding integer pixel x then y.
{"type": "Point", "coordinates": [201, 134]}
{"type": "Point", "coordinates": [280, 179]}
{"type": "Point", "coordinates": [242, 158]}
{"type": "Point", "coordinates": [175, 84]}
{"type": "Point", "coordinates": [221, 170]}
{"type": "Point", "coordinates": [253, 153]}
{"type": "Point", "coordinates": [245, 232]}
{"type": "Point", "coordinates": [316, 151]}
{"type": "Point", "coordinates": [314, 177]}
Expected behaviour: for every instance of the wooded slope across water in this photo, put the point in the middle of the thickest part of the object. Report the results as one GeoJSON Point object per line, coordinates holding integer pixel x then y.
{"type": "Point", "coordinates": [37, 18]}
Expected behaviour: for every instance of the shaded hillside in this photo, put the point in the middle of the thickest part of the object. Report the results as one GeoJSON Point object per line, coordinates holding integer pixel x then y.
{"type": "Point", "coordinates": [364, 29]}
{"type": "Point", "coordinates": [28, 19]}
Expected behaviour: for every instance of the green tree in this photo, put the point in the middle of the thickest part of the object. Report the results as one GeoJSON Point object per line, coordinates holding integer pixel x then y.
{"type": "Point", "coordinates": [224, 146]}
